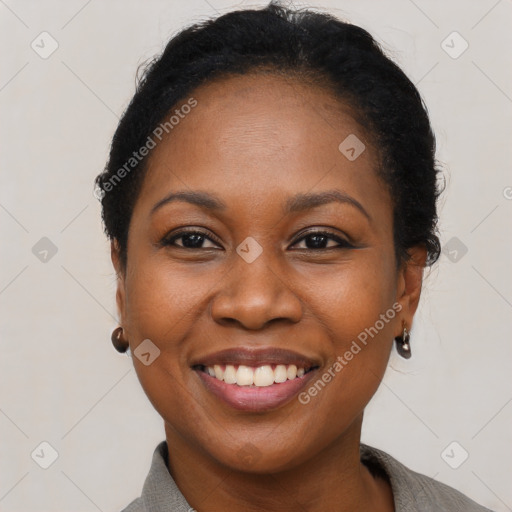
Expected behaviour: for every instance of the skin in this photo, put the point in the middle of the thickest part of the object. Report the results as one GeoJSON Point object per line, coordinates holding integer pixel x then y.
{"type": "Point", "coordinates": [254, 141]}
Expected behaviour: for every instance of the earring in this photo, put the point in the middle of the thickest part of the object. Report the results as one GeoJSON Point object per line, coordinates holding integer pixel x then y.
{"type": "Point", "coordinates": [403, 346]}
{"type": "Point", "coordinates": [120, 344]}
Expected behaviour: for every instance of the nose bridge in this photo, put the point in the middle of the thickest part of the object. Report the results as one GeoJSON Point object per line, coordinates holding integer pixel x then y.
{"type": "Point", "coordinates": [253, 293]}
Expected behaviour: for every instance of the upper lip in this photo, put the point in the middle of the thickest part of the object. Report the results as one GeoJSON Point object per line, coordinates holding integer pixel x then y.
{"type": "Point", "coordinates": [255, 357]}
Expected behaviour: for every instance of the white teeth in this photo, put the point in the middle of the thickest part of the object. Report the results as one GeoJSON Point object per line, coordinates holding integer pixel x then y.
{"type": "Point", "coordinates": [264, 376]}
{"type": "Point", "coordinates": [244, 376]}
{"type": "Point", "coordinates": [230, 374]}
{"type": "Point", "coordinates": [219, 374]}
{"type": "Point", "coordinates": [280, 373]}
{"type": "Point", "coordinates": [291, 372]}
{"type": "Point", "coordinates": [260, 376]}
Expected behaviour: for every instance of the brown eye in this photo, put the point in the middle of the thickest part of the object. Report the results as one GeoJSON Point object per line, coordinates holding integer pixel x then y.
{"type": "Point", "coordinates": [189, 240]}
{"type": "Point", "coordinates": [318, 240]}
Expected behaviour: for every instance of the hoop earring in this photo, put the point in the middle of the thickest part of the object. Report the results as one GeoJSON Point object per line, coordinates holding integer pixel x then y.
{"type": "Point", "coordinates": [120, 344]}
{"type": "Point", "coordinates": [403, 346]}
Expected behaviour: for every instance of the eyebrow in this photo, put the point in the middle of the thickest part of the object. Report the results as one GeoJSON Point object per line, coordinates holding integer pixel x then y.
{"type": "Point", "coordinates": [202, 199]}
{"type": "Point", "coordinates": [301, 202]}
{"type": "Point", "coordinates": [297, 203]}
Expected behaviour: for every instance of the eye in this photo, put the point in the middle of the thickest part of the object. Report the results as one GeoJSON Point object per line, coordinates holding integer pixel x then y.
{"type": "Point", "coordinates": [318, 240]}
{"type": "Point", "coordinates": [192, 239]}
{"type": "Point", "coordinates": [314, 240]}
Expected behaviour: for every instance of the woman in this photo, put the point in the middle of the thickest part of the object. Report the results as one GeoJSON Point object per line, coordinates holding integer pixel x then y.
{"type": "Point", "coordinates": [271, 202]}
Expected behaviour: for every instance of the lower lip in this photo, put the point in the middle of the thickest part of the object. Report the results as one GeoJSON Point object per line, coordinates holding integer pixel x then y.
{"type": "Point", "coordinates": [255, 398]}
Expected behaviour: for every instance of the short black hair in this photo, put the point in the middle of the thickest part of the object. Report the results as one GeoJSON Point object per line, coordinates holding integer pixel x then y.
{"type": "Point", "coordinates": [301, 43]}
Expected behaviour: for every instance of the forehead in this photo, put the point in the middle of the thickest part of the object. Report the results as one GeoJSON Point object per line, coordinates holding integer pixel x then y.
{"type": "Point", "coordinates": [260, 135]}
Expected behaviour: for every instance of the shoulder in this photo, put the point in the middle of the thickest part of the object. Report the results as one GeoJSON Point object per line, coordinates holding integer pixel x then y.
{"type": "Point", "coordinates": [159, 493]}
{"type": "Point", "coordinates": [135, 506]}
{"type": "Point", "coordinates": [416, 492]}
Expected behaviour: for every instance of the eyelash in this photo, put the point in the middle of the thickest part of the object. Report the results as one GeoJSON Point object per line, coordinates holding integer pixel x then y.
{"type": "Point", "coordinates": [170, 240]}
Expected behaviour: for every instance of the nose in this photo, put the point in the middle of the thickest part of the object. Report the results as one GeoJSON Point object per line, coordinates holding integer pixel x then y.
{"type": "Point", "coordinates": [255, 294]}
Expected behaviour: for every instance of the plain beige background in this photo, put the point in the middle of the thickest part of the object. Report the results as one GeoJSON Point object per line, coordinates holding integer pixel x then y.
{"type": "Point", "coordinates": [61, 382]}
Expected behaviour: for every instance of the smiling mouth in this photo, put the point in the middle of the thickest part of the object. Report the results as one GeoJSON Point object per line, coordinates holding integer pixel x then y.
{"type": "Point", "coordinates": [259, 376]}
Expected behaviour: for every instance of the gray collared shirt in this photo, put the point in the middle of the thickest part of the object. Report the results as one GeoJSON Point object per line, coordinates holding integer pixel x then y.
{"type": "Point", "coordinates": [412, 491]}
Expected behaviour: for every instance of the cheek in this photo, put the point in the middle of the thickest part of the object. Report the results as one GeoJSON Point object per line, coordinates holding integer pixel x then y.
{"type": "Point", "coordinates": [162, 304]}
{"type": "Point", "coordinates": [359, 308]}
{"type": "Point", "coordinates": [352, 298]}
{"type": "Point", "coordinates": [360, 321]}
{"type": "Point", "coordinates": [162, 300]}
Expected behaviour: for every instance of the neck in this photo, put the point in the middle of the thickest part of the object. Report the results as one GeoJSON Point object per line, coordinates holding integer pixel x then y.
{"type": "Point", "coordinates": [334, 479]}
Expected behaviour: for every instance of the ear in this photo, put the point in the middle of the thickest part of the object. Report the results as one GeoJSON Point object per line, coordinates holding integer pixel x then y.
{"type": "Point", "coordinates": [120, 271]}
{"type": "Point", "coordinates": [410, 279]}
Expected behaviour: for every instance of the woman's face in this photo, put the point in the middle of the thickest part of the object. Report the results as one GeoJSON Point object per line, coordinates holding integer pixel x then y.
{"type": "Point", "coordinates": [257, 287]}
